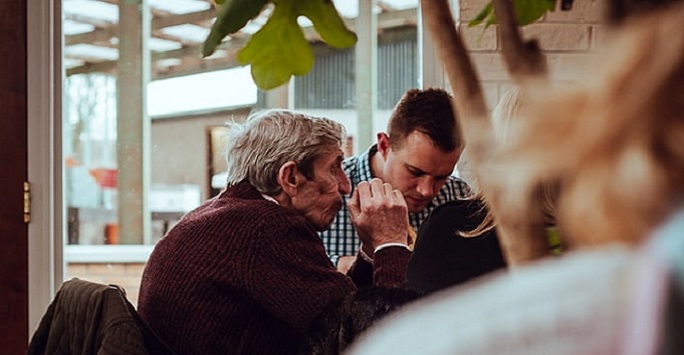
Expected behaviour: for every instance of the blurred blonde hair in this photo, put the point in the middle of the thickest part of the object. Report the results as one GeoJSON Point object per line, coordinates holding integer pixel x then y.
{"type": "Point", "coordinates": [509, 106]}
{"type": "Point", "coordinates": [612, 147]}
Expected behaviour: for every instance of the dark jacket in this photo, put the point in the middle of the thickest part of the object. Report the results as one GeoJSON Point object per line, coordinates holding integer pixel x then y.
{"type": "Point", "coordinates": [91, 318]}
{"type": "Point", "coordinates": [442, 258]}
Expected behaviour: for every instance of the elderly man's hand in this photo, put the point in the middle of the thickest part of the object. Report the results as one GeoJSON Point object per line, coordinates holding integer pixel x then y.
{"type": "Point", "coordinates": [379, 214]}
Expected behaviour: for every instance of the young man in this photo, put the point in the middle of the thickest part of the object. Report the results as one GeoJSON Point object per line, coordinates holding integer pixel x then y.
{"type": "Point", "coordinates": [246, 272]}
{"type": "Point", "coordinates": [417, 156]}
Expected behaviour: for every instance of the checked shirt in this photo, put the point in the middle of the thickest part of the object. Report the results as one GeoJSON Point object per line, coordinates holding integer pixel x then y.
{"type": "Point", "coordinates": [341, 240]}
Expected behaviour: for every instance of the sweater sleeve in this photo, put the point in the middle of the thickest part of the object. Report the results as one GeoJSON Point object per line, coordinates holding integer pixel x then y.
{"type": "Point", "coordinates": [291, 275]}
{"type": "Point", "coordinates": [390, 266]}
{"type": "Point", "coordinates": [361, 272]}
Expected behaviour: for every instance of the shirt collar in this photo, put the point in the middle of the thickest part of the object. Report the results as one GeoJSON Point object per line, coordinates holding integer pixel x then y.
{"type": "Point", "coordinates": [270, 198]}
{"type": "Point", "coordinates": [365, 173]}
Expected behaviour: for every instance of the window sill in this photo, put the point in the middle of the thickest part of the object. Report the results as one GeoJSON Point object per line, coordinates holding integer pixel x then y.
{"type": "Point", "coordinates": [107, 253]}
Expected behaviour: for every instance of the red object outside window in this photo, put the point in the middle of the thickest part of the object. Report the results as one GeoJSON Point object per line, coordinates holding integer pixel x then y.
{"type": "Point", "coordinates": [105, 177]}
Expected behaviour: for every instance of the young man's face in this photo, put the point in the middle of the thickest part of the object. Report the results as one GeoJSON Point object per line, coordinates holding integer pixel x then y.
{"type": "Point", "coordinates": [320, 198]}
{"type": "Point", "coordinates": [418, 168]}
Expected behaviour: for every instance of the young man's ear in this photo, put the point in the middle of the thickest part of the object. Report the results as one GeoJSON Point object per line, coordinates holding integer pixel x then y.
{"type": "Point", "coordinates": [288, 178]}
{"type": "Point", "coordinates": [383, 144]}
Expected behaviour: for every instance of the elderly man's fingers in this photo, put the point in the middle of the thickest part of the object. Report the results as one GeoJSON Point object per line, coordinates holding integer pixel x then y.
{"type": "Point", "coordinates": [364, 189]}
{"type": "Point", "coordinates": [398, 196]}
{"type": "Point", "coordinates": [381, 189]}
{"type": "Point", "coordinates": [389, 190]}
{"type": "Point", "coordinates": [377, 187]}
{"type": "Point", "coordinates": [353, 204]}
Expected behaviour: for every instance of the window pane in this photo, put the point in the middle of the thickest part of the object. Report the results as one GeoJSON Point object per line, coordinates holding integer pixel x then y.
{"type": "Point", "coordinates": [188, 100]}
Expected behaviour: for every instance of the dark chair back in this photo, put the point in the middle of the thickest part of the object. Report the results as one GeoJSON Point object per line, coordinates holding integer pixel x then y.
{"type": "Point", "coordinates": [86, 317]}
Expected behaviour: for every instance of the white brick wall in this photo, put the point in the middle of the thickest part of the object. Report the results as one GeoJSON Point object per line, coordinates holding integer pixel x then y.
{"type": "Point", "coordinates": [567, 38]}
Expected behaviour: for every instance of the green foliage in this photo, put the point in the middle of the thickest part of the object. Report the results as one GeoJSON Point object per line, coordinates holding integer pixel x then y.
{"type": "Point", "coordinates": [279, 49]}
{"type": "Point", "coordinates": [232, 16]}
{"type": "Point", "coordinates": [327, 22]}
{"type": "Point", "coordinates": [527, 12]}
{"type": "Point", "coordinates": [487, 12]}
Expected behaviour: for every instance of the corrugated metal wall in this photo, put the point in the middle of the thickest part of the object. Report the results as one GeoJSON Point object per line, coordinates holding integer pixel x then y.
{"type": "Point", "coordinates": [397, 71]}
{"type": "Point", "coordinates": [330, 84]}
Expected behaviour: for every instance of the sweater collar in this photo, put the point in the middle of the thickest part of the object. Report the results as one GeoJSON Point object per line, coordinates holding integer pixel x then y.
{"type": "Point", "coordinates": [246, 190]}
{"type": "Point", "coordinates": [243, 189]}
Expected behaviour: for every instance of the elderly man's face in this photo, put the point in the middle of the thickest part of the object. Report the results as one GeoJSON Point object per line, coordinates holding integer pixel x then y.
{"type": "Point", "coordinates": [320, 198]}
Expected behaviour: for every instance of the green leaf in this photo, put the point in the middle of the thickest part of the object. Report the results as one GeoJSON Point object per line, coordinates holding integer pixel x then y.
{"type": "Point", "coordinates": [232, 16]}
{"type": "Point", "coordinates": [279, 49]}
{"type": "Point", "coordinates": [327, 22]}
{"type": "Point", "coordinates": [527, 12]}
{"type": "Point", "coordinates": [483, 14]}
{"type": "Point", "coordinates": [490, 20]}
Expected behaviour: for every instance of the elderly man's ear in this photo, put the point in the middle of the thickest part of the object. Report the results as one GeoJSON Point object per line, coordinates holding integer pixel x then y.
{"type": "Point", "coordinates": [289, 178]}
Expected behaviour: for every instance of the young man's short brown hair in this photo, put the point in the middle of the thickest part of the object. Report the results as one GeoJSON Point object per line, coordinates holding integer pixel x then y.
{"type": "Point", "coordinates": [428, 111]}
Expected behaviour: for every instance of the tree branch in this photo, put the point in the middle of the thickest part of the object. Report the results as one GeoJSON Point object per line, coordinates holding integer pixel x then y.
{"type": "Point", "coordinates": [523, 60]}
{"type": "Point", "coordinates": [469, 103]}
{"type": "Point", "coordinates": [620, 10]}
{"type": "Point", "coordinates": [521, 242]}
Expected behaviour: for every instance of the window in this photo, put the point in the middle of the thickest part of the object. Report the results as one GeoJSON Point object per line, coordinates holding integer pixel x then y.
{"type": "Point", "coordinates": [185, 99]}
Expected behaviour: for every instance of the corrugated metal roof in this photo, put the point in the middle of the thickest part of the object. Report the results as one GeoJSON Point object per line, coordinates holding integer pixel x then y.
{"type": "Point", "coordinates": [179, 28]}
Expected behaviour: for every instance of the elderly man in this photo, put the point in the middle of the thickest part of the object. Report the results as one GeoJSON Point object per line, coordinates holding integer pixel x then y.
{"type": "Point", "coordinates": [246, 272]}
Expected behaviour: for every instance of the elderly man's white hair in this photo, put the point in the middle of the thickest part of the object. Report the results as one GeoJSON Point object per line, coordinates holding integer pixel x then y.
{"type": "Point", "coordinates": [257, 148]}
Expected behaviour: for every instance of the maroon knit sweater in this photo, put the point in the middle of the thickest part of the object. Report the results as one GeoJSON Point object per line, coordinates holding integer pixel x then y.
{"type": "Point", "coordinates": [243, 275]}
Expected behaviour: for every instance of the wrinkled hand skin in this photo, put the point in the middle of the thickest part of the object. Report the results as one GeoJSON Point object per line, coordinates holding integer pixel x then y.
{"type": "Point", "coordinates": [344, 263]}
{"type": "Point", "coordinates": [379, 213]}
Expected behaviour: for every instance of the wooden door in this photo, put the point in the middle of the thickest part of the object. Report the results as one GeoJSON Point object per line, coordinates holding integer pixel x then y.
{"type": "Point", "coordinates": [13, 173]}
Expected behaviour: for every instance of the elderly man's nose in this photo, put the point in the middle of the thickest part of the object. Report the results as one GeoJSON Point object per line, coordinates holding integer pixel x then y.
{"type": "Point", "coordinates": [344, 184]}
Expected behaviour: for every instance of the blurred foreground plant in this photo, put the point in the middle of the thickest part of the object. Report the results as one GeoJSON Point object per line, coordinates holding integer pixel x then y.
{"type": "Point", "coordinates": [279, 49]}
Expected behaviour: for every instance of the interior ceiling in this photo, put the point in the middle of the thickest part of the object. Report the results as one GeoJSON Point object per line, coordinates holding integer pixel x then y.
{"type": "Point", "coordinates": [179, 28]}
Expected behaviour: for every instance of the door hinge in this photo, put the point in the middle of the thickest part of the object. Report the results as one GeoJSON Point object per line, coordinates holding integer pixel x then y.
{"type": "Point", "coordinates": [27, 202]}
